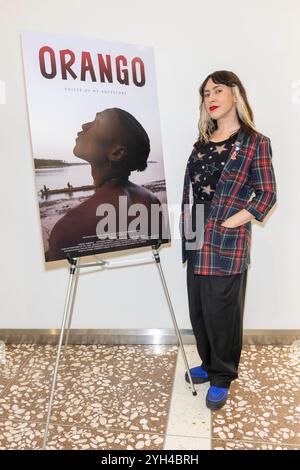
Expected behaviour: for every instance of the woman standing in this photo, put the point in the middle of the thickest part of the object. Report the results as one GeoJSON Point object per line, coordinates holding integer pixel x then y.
{"type": "Point", "coordinates": [229, 161]}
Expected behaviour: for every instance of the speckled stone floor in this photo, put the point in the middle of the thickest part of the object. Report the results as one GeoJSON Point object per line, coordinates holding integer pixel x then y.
{"type": "Point", "coordinates": [135, 397]}
{"type": "Point", "coordinates": [263, 409]}
{"type": "Point", "coordinates": [107, 397]}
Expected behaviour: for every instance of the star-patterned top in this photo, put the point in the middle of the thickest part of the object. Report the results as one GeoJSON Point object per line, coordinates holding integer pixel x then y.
{"type": "Point", "coordinates": [206, 164]}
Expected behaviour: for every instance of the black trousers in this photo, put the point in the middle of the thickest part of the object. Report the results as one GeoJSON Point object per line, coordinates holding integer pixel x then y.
{"type": "Point", "coordinates": [216, 305]}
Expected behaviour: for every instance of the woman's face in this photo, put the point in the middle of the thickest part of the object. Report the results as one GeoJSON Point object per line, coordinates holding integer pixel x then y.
{"type": "Point", "coordinates": [218, 99]}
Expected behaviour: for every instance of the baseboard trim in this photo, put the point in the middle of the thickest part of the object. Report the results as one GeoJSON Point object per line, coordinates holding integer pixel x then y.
{"type": "Point", "coordinates": [143, 336]}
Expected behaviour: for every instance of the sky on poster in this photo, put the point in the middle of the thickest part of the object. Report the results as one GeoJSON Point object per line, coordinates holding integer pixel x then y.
{"type": "Point", "coordinates": [58, 108]}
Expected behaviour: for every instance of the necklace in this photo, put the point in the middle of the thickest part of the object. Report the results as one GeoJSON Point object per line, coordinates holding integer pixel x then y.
{"type": "Point", "coordinates": [228, 134]}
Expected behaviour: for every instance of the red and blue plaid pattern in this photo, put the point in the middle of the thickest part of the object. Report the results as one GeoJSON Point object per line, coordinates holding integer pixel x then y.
{"type": "Point", "coordinates": [249, 169]}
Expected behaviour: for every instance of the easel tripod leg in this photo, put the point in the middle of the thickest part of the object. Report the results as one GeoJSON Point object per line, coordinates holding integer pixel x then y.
{"type": "Point", "coordinates": [70, 315]}
{"type": "Point", "coordinates": [54, 379]}
{"type": "Point", "coordinates": [157, 259]}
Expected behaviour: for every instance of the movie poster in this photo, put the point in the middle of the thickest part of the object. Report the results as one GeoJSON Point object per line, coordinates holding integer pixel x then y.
{"type": "Point", "coordinates": [95, 132]}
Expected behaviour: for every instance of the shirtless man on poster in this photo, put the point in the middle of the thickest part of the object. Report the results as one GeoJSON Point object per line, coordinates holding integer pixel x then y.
{"type": "Point", "coordinates": [114, 144]}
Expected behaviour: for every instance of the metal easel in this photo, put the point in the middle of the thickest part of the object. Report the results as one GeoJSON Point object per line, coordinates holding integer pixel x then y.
{"type": "Point", "coordinates": [68, 313]}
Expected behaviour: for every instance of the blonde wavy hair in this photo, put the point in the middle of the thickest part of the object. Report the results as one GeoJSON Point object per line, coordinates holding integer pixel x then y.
{"type": "Point", "coordinates": [207, 125]}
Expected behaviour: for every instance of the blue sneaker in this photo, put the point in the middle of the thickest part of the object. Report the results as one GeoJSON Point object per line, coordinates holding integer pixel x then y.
{"type": "Point", "coordinates": [216, 397]}
{"type": "Point", "coordinates": [199, 375]}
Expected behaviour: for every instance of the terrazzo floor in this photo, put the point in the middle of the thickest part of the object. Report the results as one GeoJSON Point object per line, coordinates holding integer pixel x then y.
{"type": "Point", "coordinates": [107, 397]}
{"type": "Point", "coordinates": [263, 410]}
{"type": "Point", "coordinates": [135, 397]}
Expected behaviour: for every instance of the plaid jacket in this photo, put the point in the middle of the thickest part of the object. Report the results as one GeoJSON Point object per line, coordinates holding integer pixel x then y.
{"type": "Point", "coordinates": [249, 168]}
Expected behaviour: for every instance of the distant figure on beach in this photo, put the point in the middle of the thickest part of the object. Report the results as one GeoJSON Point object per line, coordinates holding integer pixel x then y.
{"type": "Point", "coordinates": [69, 185]}
{"type": "Point", "coordinates": [45, 189]}
{"type": "Point", "coordinates": [114, 144]}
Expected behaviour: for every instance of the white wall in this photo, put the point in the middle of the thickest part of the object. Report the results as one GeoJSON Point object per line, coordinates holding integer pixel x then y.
{"type": "Point", "coordinates": [259, 41]}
